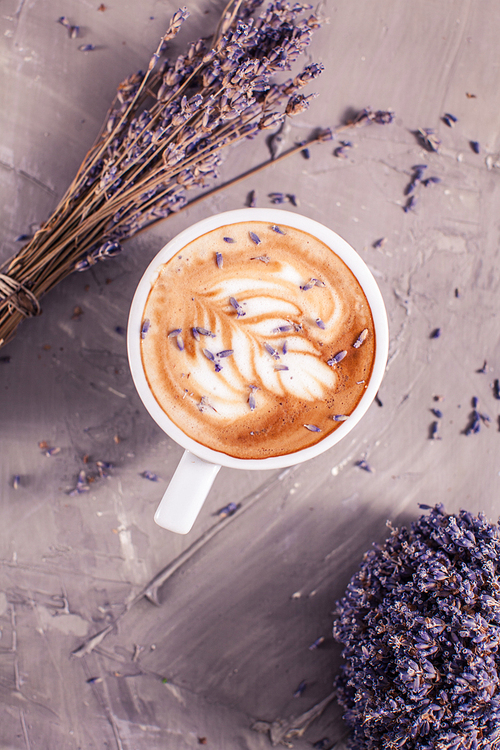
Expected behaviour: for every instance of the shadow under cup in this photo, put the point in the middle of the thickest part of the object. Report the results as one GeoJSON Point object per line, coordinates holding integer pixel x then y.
{"type": "Point", "coordinates": [200, 464]}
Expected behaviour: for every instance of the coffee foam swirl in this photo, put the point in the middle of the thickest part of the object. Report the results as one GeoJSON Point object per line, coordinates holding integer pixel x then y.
{"type": "Point", "coordinates": [249, 366]}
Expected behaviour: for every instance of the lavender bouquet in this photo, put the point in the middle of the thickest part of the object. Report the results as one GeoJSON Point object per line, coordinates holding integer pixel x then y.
{"type": "Point", "coordinates": [420, 624]}
{"type": "Point", "coordinates": [163, 135]}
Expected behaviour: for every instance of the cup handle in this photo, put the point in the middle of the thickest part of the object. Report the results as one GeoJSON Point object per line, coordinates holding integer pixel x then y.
{"type": "Point", "coordinates": [186, 493]}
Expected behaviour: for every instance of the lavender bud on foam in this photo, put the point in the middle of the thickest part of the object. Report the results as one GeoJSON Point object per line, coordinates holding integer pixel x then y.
{"type": "Point", "coordinates": [419, 623]}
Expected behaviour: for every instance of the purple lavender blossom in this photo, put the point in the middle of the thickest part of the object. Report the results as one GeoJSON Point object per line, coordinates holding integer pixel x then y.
{"type": "Point", "coordinates": [419, 623]}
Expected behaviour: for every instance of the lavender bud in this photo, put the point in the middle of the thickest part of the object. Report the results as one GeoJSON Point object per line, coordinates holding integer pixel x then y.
{"type": "Point", "coordinates": [337, 358]}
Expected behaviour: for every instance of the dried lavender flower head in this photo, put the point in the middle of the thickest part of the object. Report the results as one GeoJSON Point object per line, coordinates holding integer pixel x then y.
{"type": "Point", "coordinates": [420, 624]}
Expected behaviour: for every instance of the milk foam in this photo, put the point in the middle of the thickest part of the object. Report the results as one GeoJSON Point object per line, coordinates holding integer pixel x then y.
{"type": "Point", "coordinates": [250, 387]}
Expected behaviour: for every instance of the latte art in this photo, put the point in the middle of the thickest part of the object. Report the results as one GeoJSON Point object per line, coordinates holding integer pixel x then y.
{"type": "Point", "coordinates": [257, 340]}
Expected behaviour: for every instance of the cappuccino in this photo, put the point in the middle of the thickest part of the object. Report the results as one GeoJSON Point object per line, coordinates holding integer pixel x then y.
{"type": "Point", "coordinates": [257, 340]}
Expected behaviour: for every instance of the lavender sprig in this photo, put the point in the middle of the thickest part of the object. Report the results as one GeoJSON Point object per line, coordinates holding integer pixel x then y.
{"type": "Point", "coordinates": [163, 135]}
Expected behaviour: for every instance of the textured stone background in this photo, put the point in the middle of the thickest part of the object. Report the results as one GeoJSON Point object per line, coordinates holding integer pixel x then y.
{"type": "Point", "coordinates": [234, 618]}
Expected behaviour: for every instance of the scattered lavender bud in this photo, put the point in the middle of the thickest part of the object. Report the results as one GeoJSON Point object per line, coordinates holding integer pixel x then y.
{"type": "Point", "coordinates": [195, 333]}
{"type": "Point", "coordinates": [337, 358]}
{"type": "Point", "coordinates": [146, 474]}
{"type": "Point", "coordinates": [292, 199]}
{"type": "Point", "coordinates": [431, 181]}
{"type": "Point", "coordinates": [378, 400]}
{"type": "Point", "coordinates": [219, 260]}
{"type": "Point", "coordinates": [284, 348]}
{"type": "Point", "coordinates": [410, 204]}
{"type": "Point", "coordinates": [474, 402]}
{"type": "Point", "coordinates": [103, 468]}
{"type": "Point", "coordinates": [73, 32]}
{"type": "Point", "coordinates": [449, 119]}
{"type": "Point", "coordinates": [309, 285]}
{"type": "Point", "coordinates": [434, 431]}
{"type": "Point", "coordinates": [255, 238]}
{"type": "Point", "coordinates": [239, 310]}
{"type": "Point", "coordinates": [208, 354]}
{"type": "Point", "coordinates": [340, 150]}
{"type": "Point", "coordinates": [174, 333]}
{"type": "Point", "coordinates": [418, 171]}
{"type": "Point", "coordinates": [82, 485]}
{"type": "Point", "coordinates": [320, 323]}
{"type": "Point", "coordinates": [262, 258]}
{"type": "Point", "coordinates": [16, 481]}
{"type": "Point", "coordinates": [435, 334]}
{"type": "Point", "coordinates": [437, 413]}
{"type": "Point", "coordinates": [205, 404]}
{"type": "Point", "coordinates": [180, 343]}
{"type": "Point", "coordinates": [474, 425]}
{"type": "Point", "coordinates": [86, 47]}
{"type": "Point", "coordinates": [225, 353]}
{"type": "Point", "coordinates": [428, 139]}
{"type": "Point", "coordinates": [475, 146]}
{"type": "Point", "coordinates": [120, 330]}
{"type": "Point", "coordinates": [229, 240]}
{"type": "Point", "coordinates": [280, 368]}
{"type": "Point", "coordinates": [251, 199]}
{"type": "Point", "coordinates": [361, 338]}
{"type": "Point", "coordinates": [204, 332]}
{"type": "Point", "coordinates": [317, 643]}
{"type": "Point", "coordinates": [300, 689]}
{"type": "Point", "coordinates": [251, 401]}
{"type": "Point", "coordinates": [312, 427]}
{"type": "Point", "coordinates": [340, 417]}
{"type": "Point", "coordinates": [52, 451]}
{"type": "Point", "coordinates": [276, 198]}
{"type": "Point", "coordinates": [496, 388]}
{"type": "Point", "coordinates": [283, 329]}
{"type": "Point", "coordinates": [93, 680]}
{"type": "Point", "coordinates": [271, 350]}
{"type": "Point", "coordinates": [484, 368]}
{"type": "Point", "coordinates": [228, 510]}
{"type": "Point", "coordinates": [306, 153]}
{"type": "Point", "coordinates": [365, 466]}
{"type": "Point", "coordinates": [23, 237]}
{"type": "Point", "coordinates": [380, 243]}
{"type": "Point", "coordinates": [145, 328]}
{"type": "Point", "coordinates": [276, 229]}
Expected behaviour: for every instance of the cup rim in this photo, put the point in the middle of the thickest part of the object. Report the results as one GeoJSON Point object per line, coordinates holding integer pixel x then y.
{"type": "Point", "coordinates": [286, 218]}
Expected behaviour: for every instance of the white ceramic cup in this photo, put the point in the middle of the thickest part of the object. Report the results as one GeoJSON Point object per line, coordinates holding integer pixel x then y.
{"type": "Point", "coordinates": [199, 465]}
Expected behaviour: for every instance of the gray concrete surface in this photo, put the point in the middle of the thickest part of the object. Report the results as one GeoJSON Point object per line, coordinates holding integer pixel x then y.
{"type": "Point", "coordinates": [222, 638]}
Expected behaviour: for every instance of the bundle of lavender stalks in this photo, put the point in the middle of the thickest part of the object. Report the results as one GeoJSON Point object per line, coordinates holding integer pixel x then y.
{"type": "Point", "coordinates": [163, 135]}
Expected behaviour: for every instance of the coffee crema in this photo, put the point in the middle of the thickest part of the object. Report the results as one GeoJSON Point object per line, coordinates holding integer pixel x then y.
{"type": "Point", "coordinates": [257, 340]}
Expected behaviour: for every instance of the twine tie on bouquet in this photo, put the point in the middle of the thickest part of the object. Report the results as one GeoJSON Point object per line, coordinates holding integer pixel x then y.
{"type": "Point", "coordinates": [18, 297]}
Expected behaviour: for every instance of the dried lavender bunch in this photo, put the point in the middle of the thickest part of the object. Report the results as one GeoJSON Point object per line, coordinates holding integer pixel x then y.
{"type": "Point", "coordinates": [162, 136]}
{"type": "Point", "coordinates": [420, 623]}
